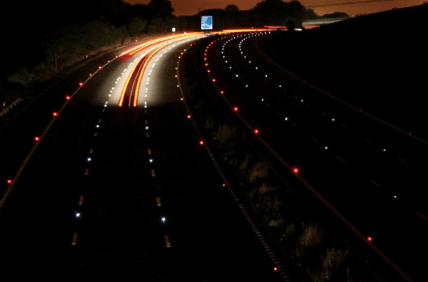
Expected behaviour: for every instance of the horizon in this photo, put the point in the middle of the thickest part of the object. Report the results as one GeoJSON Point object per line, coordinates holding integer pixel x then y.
{"type": "Point", "coordinates": [190, 7]}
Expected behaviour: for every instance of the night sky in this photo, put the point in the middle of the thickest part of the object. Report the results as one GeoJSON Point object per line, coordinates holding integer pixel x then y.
{"type": "Point", "coordinates": [190, 7]}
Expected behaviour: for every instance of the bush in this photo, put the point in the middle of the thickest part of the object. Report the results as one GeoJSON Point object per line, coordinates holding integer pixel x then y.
{"type": "Point", "coordinates": [258, 171]}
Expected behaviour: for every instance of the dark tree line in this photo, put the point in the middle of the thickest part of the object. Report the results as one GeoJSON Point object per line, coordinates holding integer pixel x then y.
{"type": "Point", "coordinates": [68, 29]}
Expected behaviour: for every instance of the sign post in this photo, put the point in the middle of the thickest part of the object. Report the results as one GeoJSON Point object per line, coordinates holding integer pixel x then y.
{"type": "Point", "coordinates": [206, 23]}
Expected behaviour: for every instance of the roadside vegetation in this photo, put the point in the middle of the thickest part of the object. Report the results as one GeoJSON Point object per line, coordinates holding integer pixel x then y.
{"type": "Point", "coordinates": [316, 250]}
{"type": "Point", "coordinates": [372, 62]}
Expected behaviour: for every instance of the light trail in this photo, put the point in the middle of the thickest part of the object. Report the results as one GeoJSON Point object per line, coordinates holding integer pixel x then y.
{"type": "Point", "coordinates": [137, 89]}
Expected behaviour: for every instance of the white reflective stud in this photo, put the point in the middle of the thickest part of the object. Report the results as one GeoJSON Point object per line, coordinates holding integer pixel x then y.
{"type": "Point", "coordinates": [89, 159]}
{"type": "Point", "coordinates": [147, 127]}
{"type": "Point", "coordinates": [236, 75]}
{"type": "Point", "coordinates": [246, 85]}
{"type": "Point", "coordinates": [163, 219]}
{"type": "Point", "coordinates": [395, 197]}
{"type": "Point", "coordinates": [332, 119]}
{"type": "Point", "coordinates": [265, 75]}
{"type": "Point", "coordinates": [151, 160]}
{"type": "Point", "coordinates": [256, 67]}
{"type": "Point", "coordinates": [77, 214]}
{"type": "Point", "coordinates": [98, 125]}
{"type": "Point", "coordinates": [286, 118]}
{"type": "Point", "coordinates": [384, 150]}
{"type": "Point", "coordinates": [326, 147]}
{"type": "Point", "coordinates": [263, 99]}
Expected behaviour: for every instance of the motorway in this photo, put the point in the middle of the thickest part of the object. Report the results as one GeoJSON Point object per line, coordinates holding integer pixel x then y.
{"type": "Point", "coordinates": [371, 172]}
{"type": "Point", "coordinates": [121, 190]}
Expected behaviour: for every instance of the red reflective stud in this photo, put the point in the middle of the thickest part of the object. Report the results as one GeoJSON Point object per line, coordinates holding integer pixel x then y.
{"type": "Point", "coordinates": [214, 80]}
{"type": "Point", "coordinates": [182, 99]}
{"type": "Point", "coordinates": [36, 138]}
{"type": "Point", "coordinates": [188, 116]}
{"type": "Point", "coordinates": [67, 97]}
{"type": "Point", "coordinates": [206, 64]}
{"type": "Point", "coordinates": [275, 269]}
{"type": "Point", "coordinates": [201, 142]}
{"type": "Point", "coordinates": [235, 109]}
{"type": "Point", "coordinates": [208, 70]}
{"type": "Point", "coordinates": [54, 114]}
{"type": "Point", "coordinates": [80, 83]}
{"type": "Point", "coordinates": [296, 170]}
{"type": "Point", "coordinates": [9, 181]}
{"type": "Point", "coordinates": [256, 131]}
{"type": "Point", "coordinates": [370, 238]}
{"type": "Point", "coordinates": [100, 66]}
{"type": "Point", "coordinates": [222, 92]}
{"type": "Point", "coordinates": [90, 74]}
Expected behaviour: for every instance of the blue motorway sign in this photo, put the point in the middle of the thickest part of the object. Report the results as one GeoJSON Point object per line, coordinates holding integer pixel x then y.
{"type": "Point", "coordinates": [206, 22]}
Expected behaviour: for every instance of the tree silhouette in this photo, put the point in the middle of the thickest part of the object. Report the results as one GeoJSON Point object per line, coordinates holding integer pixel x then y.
{"type": "Point", "coordinates": [231, 8]}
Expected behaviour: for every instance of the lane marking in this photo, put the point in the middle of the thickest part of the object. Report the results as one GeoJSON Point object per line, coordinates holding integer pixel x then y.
{"type": "Point", "coordinates": [80, 200]}
{"type": "Point", "coordinates": [422, 216]}
{"type": "Point", "coordinates": [167, 242]}
{"type": "Point", "coordinates": [315, 140]}
{"type": "Point", "coordinates": [91, 150]}
{"type": "Point", "coordinates": [375, 183]}
{"type": "Point", "coordinates": [149, 151]}
{"type": "Point", "coordinates": [340, 159]}
{"type": "Point", "coordinates": [87, 171]}
{"type": "Point", "coordinates": [402, 160]}
{"type": "Point", "coordinates": [74, 239]}
{"type": "Point", "coordinates": [96, 133]}
{"type": "Point", "coordinates": [158, 201]}
{"type": "Point", "coordinates": [147, 134]}
{"type": "Point", "coordinates": [153, 172]}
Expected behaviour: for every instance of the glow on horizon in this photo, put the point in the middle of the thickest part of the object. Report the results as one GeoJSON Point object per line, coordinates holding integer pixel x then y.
{"type": "Point", "coordinates": [190, 7]}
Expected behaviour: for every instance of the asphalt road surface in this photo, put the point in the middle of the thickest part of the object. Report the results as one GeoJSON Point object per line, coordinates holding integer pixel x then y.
{"type": "Point", "coordinates": [91, 201]}
{"type": "Point", "coordinates": [372, 173]}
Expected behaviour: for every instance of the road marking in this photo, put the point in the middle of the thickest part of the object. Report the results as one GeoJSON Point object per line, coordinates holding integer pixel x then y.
{"type": "Point", "coordinates": [315, 140]}
{"type": "Point", "coordinates": [145, 111]}
{"type": "Point", "coordinates": [324, 114]}
{"type": "Point", "coordinates": [149, 151]}
{"type": "Point", "coordinates": [146, 122]}
{"type": "Point", "coordinates": [422, 216]}
{"type": "Point", "coordinates": [340, 159]}
{"type": "Point", "coordinates": [153, 172]}
{"type": "Point", "coordinates": [87, 171]}
{"type": "Point", "coordinates": [74, 240]}
{"type": "Point", "coordinates": [99, 120]}
{"type": "Point", "coordinates": [80, 200]}
{"type": "Point", "coordinates": [342, 125]}
{"type": "Point", "coordinates": [369, 141]}
{"type": "Point", "coordinates": [96, 133]}
{"type": "Point", "coordinates": [147, 134]}
{"type": "Point", "coordinates": [402, 160]}
{"type": "Point", "coordinates": [91, 150]}
{"type": "Point", "coordinates": [158, 201]}
{"type": "Point", "coordinates": [167, 242]}
{"type": "Point", "coordinates": [103, 110]}
{"type": "Point", "coordinates": [294, 125]}
{"type": "Point", "coordinates": [375, 183]}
